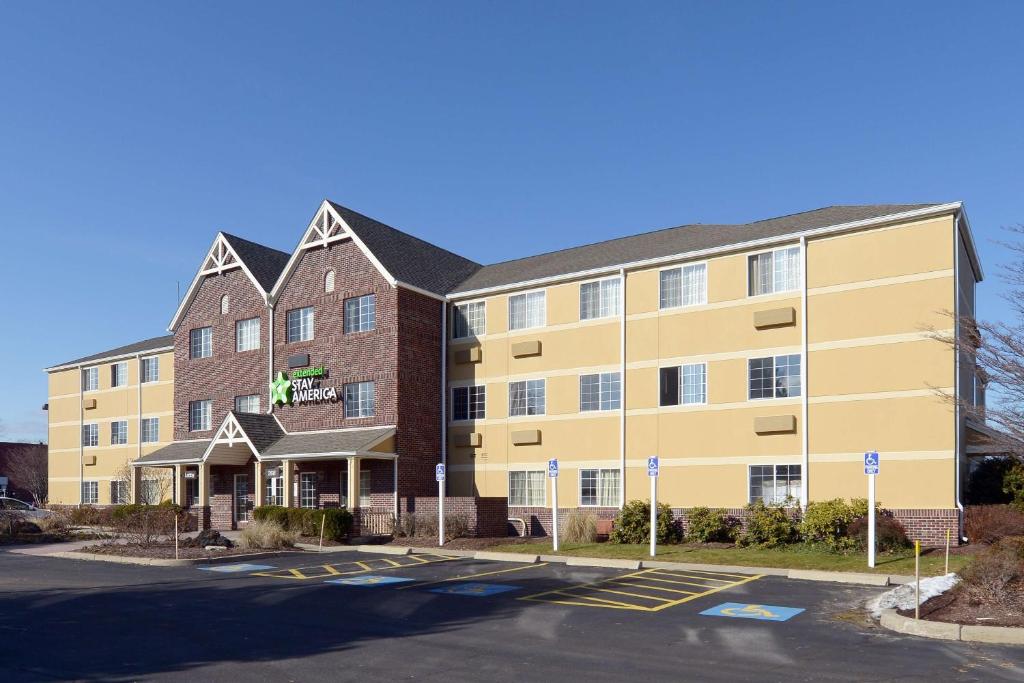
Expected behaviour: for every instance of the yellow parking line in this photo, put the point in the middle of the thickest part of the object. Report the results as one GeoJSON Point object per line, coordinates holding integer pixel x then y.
{"type": "Point", "coordinates": [633, 595]}
{"type": "Point", "coordinates": [676, 583]}
{"type": "Point", "coordinates": [393, 563]}
{"type": "Point", "coordinates": [701, 595]}
{"type": "Point", "coordinates": [473, 576]}
{"type": "Point", "coordinates": [331, 570]}
{"type": "Point", "coordinates": [624, 605]}
{"type": "Point", "coordinates": [298, 574]}
{"type": "Point", "coordinates": [689, 576]}
{"type": "Point", "coordinates": [653, 588]}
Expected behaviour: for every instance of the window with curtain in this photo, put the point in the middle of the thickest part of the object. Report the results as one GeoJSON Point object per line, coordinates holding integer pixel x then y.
{"type": "Point", "coordinates": [774, 271]}
{"type": "Point", "coordinates": [365, 481]}
{"type": "Point", "coordinates": [601, 391]}
{"type": "Point", "coordinates": [360, 398]}
{"type": "Point", "coordinates": [468, 402]}
{"type": "Point", "coordinates": [527, 310]}
{"type": "Point", "coordinates": [469, 320]}
{"type": "Point", "coordinates": [247, 334]}
{"type": "Point", "coordinates": [599, 487]}
{"type": "Point", "coordinates": [775, 484]}
{"type": "Point", "coordinates": [150, 429]}
{"type": "Point", "coordinates": [526, 488]}
{"type": "Point", "coordinates": [90, 379]}
{"type": "Point", "coordinates": [200, 342]}
{"type": "Point", "coordinates": [151, 369]}
{"type": "Point", "coordinates": [684, 286]}
{"type": "Point", "coordinates": [299, 324]}
{"type": "Point", "coordinates": [119, 374]}
{"type": "Point", "coordinates": [360, 314]}
{"type": "Point", "coordinates": [600, 299]}
{"type": "Point", "coordinates": [526, 397]}
{"type": "Point", "coordinates": [683, 385]}
{"type": "Point", "coordinates": [774, 377]}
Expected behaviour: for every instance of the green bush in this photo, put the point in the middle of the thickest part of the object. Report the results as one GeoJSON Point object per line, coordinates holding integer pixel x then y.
{"type": "Point", "coordinates": [271, 513]}
{"type": "Point", "coordinates": [579, 527]}
{"type": "Point", "coordinates": [1013, 485]}
{"type": "Point", "coordinates": [337, 522]}
{"type": "Point", "coordinates": [826, 522]}
{"type": "Point", "coordinates": [768, 526]}
{"type": "Point", "coordinates": [709, 526]}
{"type": "Point", "coordinates": [633, 524]}
{"type": "Point", "coordinates": [890, 536]}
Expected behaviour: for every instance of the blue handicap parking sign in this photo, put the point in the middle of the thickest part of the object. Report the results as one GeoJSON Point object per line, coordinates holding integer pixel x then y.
{"type": "Point", "coordinates": [553, 468]}
{"type": "Point", "coordinates": [652, 466]}
{"type": "Point", "coordinates": [478, 590]}
{"type": "Point", "coordinates": [368, 580]}
{"type": "Point", "coordinates": [748, 611]}
{"type": "Point", "coordinates": [871, 463]}
{"type": "Point", "coordinates": [238, 567]}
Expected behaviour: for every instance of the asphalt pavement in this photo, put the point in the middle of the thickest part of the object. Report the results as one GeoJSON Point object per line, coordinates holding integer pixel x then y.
{"type": "Point", "coordinates": [358, 616]}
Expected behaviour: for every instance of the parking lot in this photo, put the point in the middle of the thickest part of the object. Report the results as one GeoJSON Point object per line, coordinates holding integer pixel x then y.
{"type": "Point", "coordinates": [432, 616]}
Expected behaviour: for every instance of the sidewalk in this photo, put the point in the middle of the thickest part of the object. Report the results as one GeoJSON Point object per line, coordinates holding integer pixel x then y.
{"type": "Point", "coordinates": [44, 549]}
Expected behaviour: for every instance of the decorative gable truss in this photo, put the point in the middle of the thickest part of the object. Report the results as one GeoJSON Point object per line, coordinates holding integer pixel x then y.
{"type": "Point", "coordinates": [326, 228]}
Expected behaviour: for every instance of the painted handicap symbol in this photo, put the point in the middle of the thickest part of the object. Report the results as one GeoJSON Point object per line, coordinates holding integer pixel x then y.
{"type": "Point", "coordinates": [751, 611]}
{"type": "Point", "coordinates": [478, 590]}
{"type": "Point", "coordinates": [238, 567]}
{"type": "Point", "coordinates": [369, 580]}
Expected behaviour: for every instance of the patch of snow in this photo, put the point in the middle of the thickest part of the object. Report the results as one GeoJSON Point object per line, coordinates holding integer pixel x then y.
{"type": "Point", "coordinates": [902, 597]}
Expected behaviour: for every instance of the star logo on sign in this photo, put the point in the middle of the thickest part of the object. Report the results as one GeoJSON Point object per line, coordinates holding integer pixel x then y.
{"type": "Point", "coordinates": [281, 390]}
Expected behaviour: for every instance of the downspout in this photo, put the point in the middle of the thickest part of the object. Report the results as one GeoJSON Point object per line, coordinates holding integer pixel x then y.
{"type": "Point", "coordinates": [81, 441]}
{"type": "Point", "coordinates": [270, 357]}
{"type": "Point", "coordinates": [622, 392]}
{"type": "Point", "coordinates": [138, 433]}
{"type": "Point", "coordinates": [804, 389]}
{"type": "Point", "coordinates": [957, 436]}
{"type": "Point", "coordinates": [444, 390]}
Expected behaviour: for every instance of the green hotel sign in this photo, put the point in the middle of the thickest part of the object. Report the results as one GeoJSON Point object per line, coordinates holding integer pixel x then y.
{"type": "Point", "coordinates": [303, 387]}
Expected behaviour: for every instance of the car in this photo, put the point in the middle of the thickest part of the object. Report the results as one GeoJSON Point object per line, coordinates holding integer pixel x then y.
{"type": "Point", "coordinates": [24, 510]}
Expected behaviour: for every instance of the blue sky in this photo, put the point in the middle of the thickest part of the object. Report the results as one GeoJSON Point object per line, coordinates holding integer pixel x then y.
{"type": "Point", "coordinates": [132, 132]}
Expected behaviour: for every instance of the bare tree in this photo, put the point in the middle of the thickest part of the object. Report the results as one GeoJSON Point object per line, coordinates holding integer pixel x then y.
{"type": "Point", "coordinates": [27, 467]}
{"type": "Point", "coordinates": [157, 482]}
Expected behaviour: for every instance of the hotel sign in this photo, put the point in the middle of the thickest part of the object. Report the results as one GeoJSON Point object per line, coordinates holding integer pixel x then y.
{"type": "Point", "coordinates": [304, 386]}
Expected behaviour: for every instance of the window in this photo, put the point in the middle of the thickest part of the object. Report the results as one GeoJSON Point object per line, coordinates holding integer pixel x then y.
{"type": "Point", "coordinates": [526, 310]}
{"type": "Point", "coordinates": [360, 313]}
{"type": "Point", "coordinates": [90, 492]}
{"type": "Point", "coordinates": [120, 492]}
{"type": "Point", "coordinates": [526, 489]}
{"type": "Point", "coordinates": [300, 324]}
{"type": "Point", "coordinates": [364, 488]}
{"type": "Point", "coordinates": [119, 374]}
{"type": "Point", "coordinates": [151, 369]}
{"type": "Point", "coordinates": [247, 334]}
{"type": "Point", "coordinates": [91, 435]}
{"type": "Point", "coordinates": [275, 486]}
{"type": "Point", "coordinates": [150, 429]}
{"type": "Point", "coordinates": [199, 415]}
{"type": "Point", "coordinates": [600, 299]}
{"type": "Point", "coordinates": [774, 484]}
{"type": "Point", "coordinates": [225, 304]}
{"type": "Point", "coordinates": [599, 488]}
{"type": "Point", "coordinates": [118, 432]}
{"type": "Point", "coordinates": [343, 496]}
{"type": "Point", "coordinates": [200, 343]}
{"type": "Point", "coordinates": [774, 377]}
{"type": "Point", "coordinates": [151, 491]}
{"type": "Point", "coordinates": [359, 399]}
{"type": "Point", "coordinates": [90, 379]}
{"type": "Point", "coordinates": [329, 282]}
{"type": "Point", "coordinates": [468, 402]}
{"type": "Point", "coordinates": [247, 404]}
{"type": "Point", "coordinates": [600, 392]}
{"type": "Point", "coordinates": [684, 286]}
{"type": "Point", "coordinates": [526, 397]}
{"type": "Point", "coordinates": [773, 271]}
{"type": "Point", "coordinates": [469, 320]}
{"type": "Point", "coordinates": [307, 490]}
{"type": "Point", "coordinates": [685, 384]}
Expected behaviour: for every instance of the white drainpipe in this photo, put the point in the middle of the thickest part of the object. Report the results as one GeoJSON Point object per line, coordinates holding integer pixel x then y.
{"type": "Point", "coordinates": [804, 389]}
{"type": "Point", "coordinates": [270, 358]}
{"type": "Point", "coordinates": [622, 392]}
{"type": "Point", "coordinates": [444, 389]}
{"type": "Point", "coordinates": [957, 434]}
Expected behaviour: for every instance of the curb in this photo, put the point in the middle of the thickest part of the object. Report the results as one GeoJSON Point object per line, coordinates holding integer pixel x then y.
{"type": "Point", "coordinates": [310, 547]}
{"type": "Point", "coordinates": [384, 549]}
{"type": "Point", "coordinates": [714, 568]}
{"type": "Point", "coordinates": [159, 562]}
{"type": "Point", "coordinates": [506, 557]}
{"type": "Point", "coordinates": [1003, 635]}
{"type": "Point", "coordinates": [840, 577]}
{"type": "Point", "coordinates": [601, 562]}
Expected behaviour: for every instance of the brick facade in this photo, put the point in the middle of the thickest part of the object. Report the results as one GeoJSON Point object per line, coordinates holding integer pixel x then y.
{"type": "Point", "coordinates": [487, 517]}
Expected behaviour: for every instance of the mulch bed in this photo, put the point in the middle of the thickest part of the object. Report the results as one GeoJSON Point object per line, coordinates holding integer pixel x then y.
{"type": "Point", "coordinates": [315, 540]}
{"type": "Point", "coordinates": [953, 608]}
{"type": "Point", "coordinates": [163, 551]}
{"type": "Point", "coordinates": [461, 543]}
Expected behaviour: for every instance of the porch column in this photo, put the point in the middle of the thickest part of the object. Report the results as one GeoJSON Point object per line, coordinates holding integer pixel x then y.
{"type": "Point", "coordinates": [287, 475]}
{"type": "Point", "coordinates": [260, 485]}
{"type": "Point", "coordinates": [204, 485]}
{"type": "Point", "coordinates": [394, 487]}
{"type": "Point", "coordinates": [353, 483]}
{"type": "Point", "coordinates": [180, 486]}
{"type": "Point", "coordinates": [136, 486]}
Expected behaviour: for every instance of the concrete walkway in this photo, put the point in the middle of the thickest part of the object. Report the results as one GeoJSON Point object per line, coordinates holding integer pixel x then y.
{"type": "Point", "coordinates": [43, 549]}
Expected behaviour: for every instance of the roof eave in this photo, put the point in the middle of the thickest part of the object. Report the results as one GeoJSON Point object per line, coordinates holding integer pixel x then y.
{"type": "Point", "coordinates": [107, 359]}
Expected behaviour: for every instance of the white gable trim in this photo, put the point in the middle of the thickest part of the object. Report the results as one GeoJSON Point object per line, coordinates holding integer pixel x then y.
{"type": "Point", "coordinates": [220, 258]}
{"type": "Point", "coordinates": [326, 228]}
{"type": "Point", "coordinates": [229, 433]}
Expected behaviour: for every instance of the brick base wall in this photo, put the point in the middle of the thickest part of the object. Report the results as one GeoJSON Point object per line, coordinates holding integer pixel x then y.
{"type": "Point", "coordinates": [487, 517]}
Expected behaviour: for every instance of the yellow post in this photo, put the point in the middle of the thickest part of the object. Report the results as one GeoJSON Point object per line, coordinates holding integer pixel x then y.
{"type": "Point", "coordinates": [323, 520]}
{"type": "Point", "coordinates": [917, 579]}
{"type": "Point", "coordinates": [947, 551]}
{"type": "Point", "coordinates": [175, 534]}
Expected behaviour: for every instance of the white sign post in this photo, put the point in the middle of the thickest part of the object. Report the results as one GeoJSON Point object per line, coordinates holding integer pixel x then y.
{"type": "Point", "coordinates": [652, 474]}
{"type": "Point", "coordinates": [439, 475]}
{"type": "Point", "coordinates": [871, 470]}
{"type": "Point", "coordinates": [553, 476]}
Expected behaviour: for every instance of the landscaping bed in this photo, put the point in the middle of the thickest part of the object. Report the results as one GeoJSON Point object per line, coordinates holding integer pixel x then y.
{"type": "Point", "coordinates": [953, 607]}
{"type": "Point", "coordinates": [48, 537]}
{"type": "Point", "coordinates": [164, 551]}
{"type": "Point", "coordinates": [468, 543]}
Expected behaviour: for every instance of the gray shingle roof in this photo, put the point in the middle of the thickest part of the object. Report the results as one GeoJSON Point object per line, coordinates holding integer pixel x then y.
{"type": "Point", "coordinates": [667, 242]}
{"type": "Point", "coordinates": [409, 259]}
{"type": "Point", "coordinates": [126, 350]}
{"type": "Point", "coordinates": [265, 263]}
{"type": "Point", "coordinates": [313, 443]}
{"type": "Point", "coordinates": [262, 429]}
{"type": "Point", "coordinates": [178, 451]}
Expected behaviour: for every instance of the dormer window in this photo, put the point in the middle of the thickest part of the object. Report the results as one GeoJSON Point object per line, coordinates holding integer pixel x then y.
{"type": "Point", "coordinates": [329, 282]}
{"type": "Point", "coordinates": [225, 304]}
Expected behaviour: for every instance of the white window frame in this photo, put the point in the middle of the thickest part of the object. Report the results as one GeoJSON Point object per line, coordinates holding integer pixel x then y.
{"type": "Point", "coordinates": [773, 252]}
{"type": "Point", "coordinates": [526, 296]}
{"type": "Point", "coordinates": [605, 381]}
{"type": "Point", "coordinates": [775, 364]}
{"type": "Point", "coordinates": [605, 309]}
{"type": "Point", "coordinates": [329, 278]}
{"type": "Point", "coordinates": [150, 428]}
{"type": "Point", "coordinates": [150, 369]}
{"type": "Point", "coordinates": [365, 487]}
{"type": "Point", "coordinates": [225, 304]}
{"type": "Point", "coordinates": [247, 398]}
{"type": "Point", "coordinates": [119, 374]}
{"type": "Point", "coordinates": [360, 411]}
{"type": "Point", "coordinates": [469, 403]}
{"type": "Point", "coordinates": [302, 328]}
{"type": "Point", "coordinates": [682, 288]}
{"type": "Point", "coordinates": [94, 435]}
{"type": "Point", "coordinates": [526, 387]}
{"type": "Point", "coordinates": [91, 378]}
{"type": "Point", "coordinates": [543, 488]}
{"type": "Point", "coordinates": [303, 478]}
{"type": "Point", "coordinates": [205, 345]}
{"type": "Point", "coordinates": [207, 423]}
{"type": "Point", "coordinates": [94, 492]}
{"type": "Point", "coordinates": [365, 318]}
{"type": "Point", "coordinates": [120, 492]}
{"type": "Point", "coordinates": [116, 429]}
{"type": "Point", "coordinates": [775, 478]}
{"type": "Point", "coordinates": [482, 303]}
{"type": "Point", "coordinates": [247, 334]}
{"type": "Point", "coordinates": [681, 388]}
{"type": "Point", "coordinates": [600, 471]}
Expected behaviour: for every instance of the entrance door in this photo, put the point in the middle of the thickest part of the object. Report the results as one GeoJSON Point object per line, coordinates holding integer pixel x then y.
{"type": "Point", "coordinates": [242, 502]}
